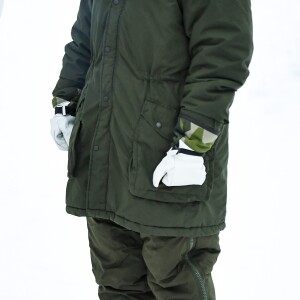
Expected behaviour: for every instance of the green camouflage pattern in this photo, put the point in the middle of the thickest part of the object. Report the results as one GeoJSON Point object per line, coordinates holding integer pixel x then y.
{"type": "Point", "coordinates": [57, 100]}
{"type": "Point", "coordinates": [196, 137]}
{"type": "Point", "coordinates": [73, 96]}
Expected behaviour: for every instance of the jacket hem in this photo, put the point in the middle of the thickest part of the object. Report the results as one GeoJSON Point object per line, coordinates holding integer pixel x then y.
{"type": "Point", "coordinates": [148, 229]}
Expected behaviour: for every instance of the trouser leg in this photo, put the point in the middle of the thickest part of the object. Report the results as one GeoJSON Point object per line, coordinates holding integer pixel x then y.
{"type": "Point", "coordinates": [117, 262]}
{"type": "Point", "coordinates": [179, 268]}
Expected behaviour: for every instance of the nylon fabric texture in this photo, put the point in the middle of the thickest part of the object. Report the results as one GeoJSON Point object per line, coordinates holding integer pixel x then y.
{"type": "Point", "coordinates": [134, 68]}
{"type": "Point", "coordinates": [130, 265]}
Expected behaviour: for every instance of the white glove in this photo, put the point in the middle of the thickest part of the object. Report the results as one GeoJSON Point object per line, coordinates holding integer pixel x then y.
{"type": "Point", "coordinates": [61, 128]}
{"type": "Point", "coordinates": [180, 169]}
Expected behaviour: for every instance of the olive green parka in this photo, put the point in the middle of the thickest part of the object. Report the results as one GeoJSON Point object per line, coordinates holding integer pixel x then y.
{"type": "Point", "coordinates": [132, 69]}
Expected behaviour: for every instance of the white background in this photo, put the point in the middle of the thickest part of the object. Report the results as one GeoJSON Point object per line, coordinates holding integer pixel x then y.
{"type": "Point", "coordinates": [44, 251]}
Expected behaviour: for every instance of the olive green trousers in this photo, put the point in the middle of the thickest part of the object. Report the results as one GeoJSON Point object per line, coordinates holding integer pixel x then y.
{"type": "Point", "coordinates": [130, 265]}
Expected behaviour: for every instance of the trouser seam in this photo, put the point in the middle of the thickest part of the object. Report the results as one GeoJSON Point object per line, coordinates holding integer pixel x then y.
{"type": "Point", "coordinates": [195, 270]}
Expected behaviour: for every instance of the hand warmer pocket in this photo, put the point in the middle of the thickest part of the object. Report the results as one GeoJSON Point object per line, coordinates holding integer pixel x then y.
{"type": "Point", "coordinates": [72, 149]}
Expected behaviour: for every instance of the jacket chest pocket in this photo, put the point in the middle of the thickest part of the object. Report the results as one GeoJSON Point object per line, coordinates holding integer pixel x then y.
{"type": "Point", "coordinates": [152, 139]}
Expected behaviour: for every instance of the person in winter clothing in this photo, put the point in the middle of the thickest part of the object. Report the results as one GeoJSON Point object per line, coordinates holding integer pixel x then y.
{"type": "Point", "coordinates": [142, 107]}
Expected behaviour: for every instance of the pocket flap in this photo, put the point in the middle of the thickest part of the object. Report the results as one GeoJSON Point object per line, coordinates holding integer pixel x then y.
{"type": "Point", "coordinates": [162, 118]}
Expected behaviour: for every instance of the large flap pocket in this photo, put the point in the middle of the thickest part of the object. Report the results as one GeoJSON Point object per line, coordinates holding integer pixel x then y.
{"type": "Point", "coordinates": [152, 140]}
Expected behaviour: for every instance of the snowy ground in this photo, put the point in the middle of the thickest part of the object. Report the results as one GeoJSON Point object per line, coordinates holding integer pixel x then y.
{"type": "Point", "coordinates": [44, 252]}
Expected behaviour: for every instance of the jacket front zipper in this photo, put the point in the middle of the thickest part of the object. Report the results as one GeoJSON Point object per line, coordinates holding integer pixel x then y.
{"type": "Point", "coordinates": [195, 270]}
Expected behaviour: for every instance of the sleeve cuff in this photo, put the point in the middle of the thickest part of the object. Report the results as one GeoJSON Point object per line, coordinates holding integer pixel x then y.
{"type": "Point", "coordinates": [67, 93]}
{"type": "Point", "coordinates": [199, 137]}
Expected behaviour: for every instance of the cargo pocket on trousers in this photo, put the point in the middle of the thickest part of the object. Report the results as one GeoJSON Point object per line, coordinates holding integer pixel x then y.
{"type": "Point", "coordinates": [72, 151]}
{"type": "Point", "coordinates": [152, 140]}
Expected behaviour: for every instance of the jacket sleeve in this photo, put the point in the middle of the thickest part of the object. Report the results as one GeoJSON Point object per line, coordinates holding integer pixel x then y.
{"type": "Point", "coordinates": [76, 59]}
{"type": "Point", "coordinates": [220, 46]}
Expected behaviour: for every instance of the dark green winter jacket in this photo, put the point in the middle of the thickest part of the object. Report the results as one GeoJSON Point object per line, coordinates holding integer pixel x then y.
{"type": "Point", "coordinates": [140, 73]}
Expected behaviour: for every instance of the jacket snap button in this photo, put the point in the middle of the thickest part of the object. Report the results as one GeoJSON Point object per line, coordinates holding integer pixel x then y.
{"type": "Point", "coordinates": [105, 98]}
{"type": "Point", "coordinates": [107, 49]}
{"type": "Point", "coordinates": [158, 125]}
{"type": "Point", "coordinates": [116, 2]}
